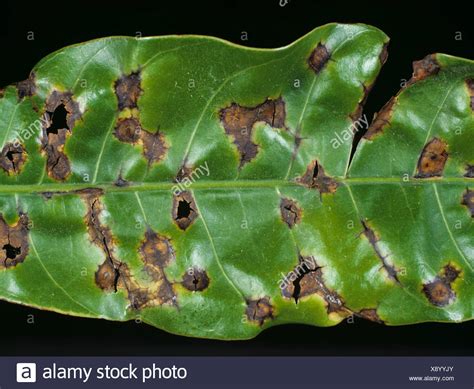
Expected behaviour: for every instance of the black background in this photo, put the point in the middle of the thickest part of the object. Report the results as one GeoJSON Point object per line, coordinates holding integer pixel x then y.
{"type": "Point", "coordinates": [415, 28]}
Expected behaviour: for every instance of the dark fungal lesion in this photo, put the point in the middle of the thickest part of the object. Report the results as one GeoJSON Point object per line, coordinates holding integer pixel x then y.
{"type": "Point", "coordinates": [26, 88]}
{"type": "Point", "coordinates": [319, 58]}
{"type": "Point", "coordinates": [290, 211]}
{"type": "Point", "coordinates": [14, 243]}
{"type": "Point", "coordinates": [373, 239]}
{"type": "Point", "coordinates": [61, 114]}
{"type": "Point", "coordinates": [432, 159]}
{"type": "Point", "coordinates": [128, 90]}
{"type": "Point", "coordinates": [259, 310]}
{"type": "Point", "coordinates": [468, 201]}
{"type": "Point", "coordinates": [195, 279]}
{"type": "Point", "coordinates": [238, 122]}
{"type": "Point", "coordinates": [315, 177]}
{"type": "Point", "coordinates": [439, 291]}
{"type": "Point", "coordinates": [184, 209]}
{"type": "Point", "coordinates": [12, 158]}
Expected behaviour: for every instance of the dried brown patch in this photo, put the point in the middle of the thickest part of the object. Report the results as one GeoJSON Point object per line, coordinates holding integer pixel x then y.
{"type": "Point", "coordinates": [432, 159]}
{"type": "Point", "coordinates": [369, 314]}
{"type": "Point", "coordinates": [470, 88]}
{"type": "Point", "coordinates": [381, 119]}
{"type": "Point", "coordinates": [319, 57]}
{"type": "Point", "coordinates": [13, 241]}
{"type": "Point", "coordinates": [108, 273]}
{"type": "Point", "coordinates": [259, 310]}
{"type": "Point", "coordinates": [290, 211]}
{"type": "Point", "coordinates": [357, 114]}
{"type": "Point", "coordinates": [468, 200]}
{"type": "Point", "coordinates": [184, 210]}
{"type": "Point", "coordinates": [12, 158]}
{"type": "Point", "coordinates": [113, 275]}
{"type": "Point", "coordinates": [121, 182]}
{"type": "Point", "coordinates": [373, 239]}
{"type": "Point", "coordinates": [129, 130]}
{"type": "Point", "coordinates": [26, 88]}
{"type": "Point", "coordinates": [424, 68]}
{"type": "Point", "coordinates": [128, 90]}
{"type": "Point", "coordinates": [315, 177]}
{"type": "Point", "coordinates": [195, 280]}
{"type": "Point", "coordinates": [184, 173]}
{"type": "Point", "coordinates": [156, 253]}
{"type": "Point", "coordinates": [439, 291]}
{"type": "Point", "coordinates": [62, 112]}
{"type": "Point", "coordinates": [239, 121]}
{"type": "Point", "coordinates": [307, 279]}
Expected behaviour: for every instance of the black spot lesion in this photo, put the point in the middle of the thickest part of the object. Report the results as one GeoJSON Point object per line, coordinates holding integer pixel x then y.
{"type": "Point", "coordinates": [128, 90]}
{"type": "Point", "coordinates": [470, 88]}
{"type": "Point", "coordinates": [195, 280]}
{"type": "Point", "coordinates": [439, 291]}
{"type": "Point", "coordinates": [432, 159]}
{"type": "Point", "coordinates": [238, 122]}
{"type": "Point", "coordinates": [12, 158]}
{"type": "Point", "coordinates": [315, 177]}
{"type": "Point", "coordinates": [14, 241]}
{"type": "Point", "coordinates": [259, 310]}
{"type": "Point", "coordinates": [184, 210]}
{"type": "Point", "coordinates": [319, 58]}
{"type": "Point", "coordinates": [61, 114]}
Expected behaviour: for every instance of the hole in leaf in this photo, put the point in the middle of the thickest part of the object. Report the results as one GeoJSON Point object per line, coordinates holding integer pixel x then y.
{"type": "Point", "coordinates": [58, 119]}
{"type": "Point", "coordinates": [184, 209]}
{"type": "Point", "coordinates": [11, 251]}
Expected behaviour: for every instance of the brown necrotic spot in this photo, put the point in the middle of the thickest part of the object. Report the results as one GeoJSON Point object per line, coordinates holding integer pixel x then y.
{"type": "Point", "coordinates": [373, 239]}
{"type": "Point", "coordinates": [259, 310]}
{"type": "Point", "coordinates": [195, 280]}
{"type": "Point", "coordinates": [307, 279]}
{"type": "Point", "coordinates": [315, 177]}
{"type": "Point", "coordinates": [108, 273]}
{"type": "Point", "coordinates": [184, 209]}
{"type": "Point", "coordinates": [470, 88]}
{"type": "Point", "coordinates": [369, 314]}
{"type": "Point", "coordinates": [439, 291]}
{"type": "Point", "coordinates": [12, 158]}
{"type": "Point", "coordinates": [129, 130]}
{"type": "Point", "coordinates": [424, 68]}
{"type": "Point", "coordinates": [468, 200]}
{"type": "Point", "coordinates": [13, 241]}
{"type": "Point", "coordinates": [239, 121]}
{"type": "Point", "coordinates": [381, 119]}
{"type": "Point", "coordinates": [61, 114]}
{"type": "Point", "coordinates": [156, 253]}
{"type": "Point", "coordinates": [290, 211]}
{"type": "Point", "coordinates": [26, 88]}
{"type": "Point", "coordinates": [432, 159]}
{"type": "Point", "coordinates": [319, 57]}
{"type": "Point", "coordinates": [128, 90]}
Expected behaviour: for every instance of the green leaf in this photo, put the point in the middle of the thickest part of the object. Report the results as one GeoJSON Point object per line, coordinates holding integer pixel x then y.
{"type": "Point", "coordinates": [207, 188]}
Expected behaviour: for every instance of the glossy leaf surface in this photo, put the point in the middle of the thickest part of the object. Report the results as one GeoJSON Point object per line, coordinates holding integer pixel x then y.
{"type": "Point", "coordinates": [207, 188]}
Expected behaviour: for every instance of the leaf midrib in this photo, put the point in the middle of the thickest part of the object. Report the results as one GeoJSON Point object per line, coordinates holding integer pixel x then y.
{"type": "Point", "coordinates": [223, 184]}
